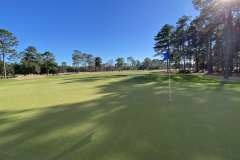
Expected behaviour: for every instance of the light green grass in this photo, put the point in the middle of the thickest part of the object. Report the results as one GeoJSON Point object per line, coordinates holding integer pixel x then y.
{"type": "Point", "coordinates": [118, 117]}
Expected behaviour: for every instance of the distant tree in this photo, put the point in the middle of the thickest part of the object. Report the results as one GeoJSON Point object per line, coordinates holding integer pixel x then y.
{"type": "Point", "coordinates": [31, 61]}
{"type": "Point", "coordinates": [156, 64]}
{"type": "Point", "coordinates": [7, 41]}
{"type": "Point", "coordinates": [70, 69]}
{"type": "Point", "coordinates": [147, 63]}
{"type": "Point", "coordinates": [85, 60]}
{"type": "Point", "coordinates": [132, 63]}
{"type": "Point", "coordinates": [110, 65]}
{"type": "Point", "coordinates": [48, 61]}
{"type": "Point", "coordinates": [126, 66]}
{"type": "Point", "coordinates": [138, 64]}
{"type": "Point", "coordinates": [63, 67]}
{"type": "Point", "coordinates": [103, 68]}
{"type": "Point", "coordinates": [120, 63]}
{"type": "Point", "coordinates": [53, 68]}
{"type": "Point", "coordinates": [16, 67]}
{"type": "Point", "coordinates": [98, 63]}
{"type": "Point", "coordinates": [163, 40]}
{"type": "Point", "coordinates": [130, 59]}
{"type": "Point", "coordinates": [77, 59]}
{"type": "Point", "coordinates": [90, 62]}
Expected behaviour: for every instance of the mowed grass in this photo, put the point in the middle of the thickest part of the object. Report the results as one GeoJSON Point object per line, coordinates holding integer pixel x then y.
{"type": "Point", "coordinates": [119, 117]}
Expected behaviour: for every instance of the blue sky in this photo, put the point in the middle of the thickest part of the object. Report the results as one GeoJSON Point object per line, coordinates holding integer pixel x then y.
{"type": "Point", "coordinates": [104, 28]}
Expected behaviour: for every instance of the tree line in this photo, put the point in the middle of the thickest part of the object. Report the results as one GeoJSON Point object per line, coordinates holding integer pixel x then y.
{"type": "Point", "coordinates": [211, 41]}
{"type": "Point", "coordinates": [30, 61]}
{"type": "Point", "coordinates": [83, 62]}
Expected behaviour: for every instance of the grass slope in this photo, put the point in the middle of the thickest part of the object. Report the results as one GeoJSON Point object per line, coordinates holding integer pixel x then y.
{"type": "Point", "coordinates": [118, 117]}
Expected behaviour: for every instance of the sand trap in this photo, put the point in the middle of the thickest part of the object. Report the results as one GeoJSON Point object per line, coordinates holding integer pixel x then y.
{"type": "Point", "coordinates": [137, 75]}
{"type": "Point", "coordinates": [30, 77]}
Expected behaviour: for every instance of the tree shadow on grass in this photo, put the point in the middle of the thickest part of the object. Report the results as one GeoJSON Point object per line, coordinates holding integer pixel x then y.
{"type": "Point", "coordinates": [90, 79]}
{"type": "Point", "coordinates": [153, 78]}
{"type": "Point", "coordinates": [77, 146]}
{"type": "Point", "coordinates": [184, 81]}
{"type": "Point", "coordinates": [134, 120]}
{"type": "Point", "coordinates": [182, 78]}
{"type": "Point", "coordinates": [7, 116]}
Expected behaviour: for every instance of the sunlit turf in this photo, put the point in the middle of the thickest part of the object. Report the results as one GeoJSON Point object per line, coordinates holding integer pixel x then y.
{"type": "Point", "coordinates": [119, 117]}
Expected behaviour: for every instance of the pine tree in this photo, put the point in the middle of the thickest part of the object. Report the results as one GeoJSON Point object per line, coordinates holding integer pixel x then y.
{"type": "Point", "coordinates": [7, 41]}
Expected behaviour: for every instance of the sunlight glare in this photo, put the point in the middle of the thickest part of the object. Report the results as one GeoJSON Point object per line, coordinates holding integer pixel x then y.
{"type": "Point", "coordinates": [223, 2]}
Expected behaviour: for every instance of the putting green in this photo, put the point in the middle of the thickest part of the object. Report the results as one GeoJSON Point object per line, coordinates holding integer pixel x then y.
{"type": "Point", "coordinates": [119, 117]}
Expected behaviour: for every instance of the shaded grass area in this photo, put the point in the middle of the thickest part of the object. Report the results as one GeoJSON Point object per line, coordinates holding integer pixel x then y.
{"type": "Point", "coordinates": [182, 78]}
{"type": "Point", "coordinates": [109, 74]}
{"type": "Point", "coordinates": [112, 117]}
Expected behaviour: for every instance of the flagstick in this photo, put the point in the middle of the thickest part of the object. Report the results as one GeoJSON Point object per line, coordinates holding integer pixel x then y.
{"type": "Point", "coordinates": [170, 98]}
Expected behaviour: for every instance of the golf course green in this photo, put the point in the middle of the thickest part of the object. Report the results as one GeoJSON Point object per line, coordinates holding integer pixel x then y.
{"type": "Point", "coordinates": [119, 117]}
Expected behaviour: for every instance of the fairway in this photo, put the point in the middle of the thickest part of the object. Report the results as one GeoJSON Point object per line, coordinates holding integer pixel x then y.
{"type": "Point", "coordinates": [119, 117]}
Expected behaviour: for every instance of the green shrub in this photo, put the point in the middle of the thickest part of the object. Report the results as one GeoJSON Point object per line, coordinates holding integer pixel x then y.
{"type": "Point", "coordinates": [216, 70]}
{"type": "Point", "coordinates": [236, 71]}
{"type": "Point", "coordinates": [182, 71]}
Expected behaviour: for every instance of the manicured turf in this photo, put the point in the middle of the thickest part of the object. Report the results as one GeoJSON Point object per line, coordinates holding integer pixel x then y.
{"type": "Point", "coordinates": [119, 117]}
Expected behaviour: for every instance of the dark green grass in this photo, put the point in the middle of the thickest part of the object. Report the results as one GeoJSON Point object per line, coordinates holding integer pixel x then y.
{"type": "Point", "coordinates": [116, 117]}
